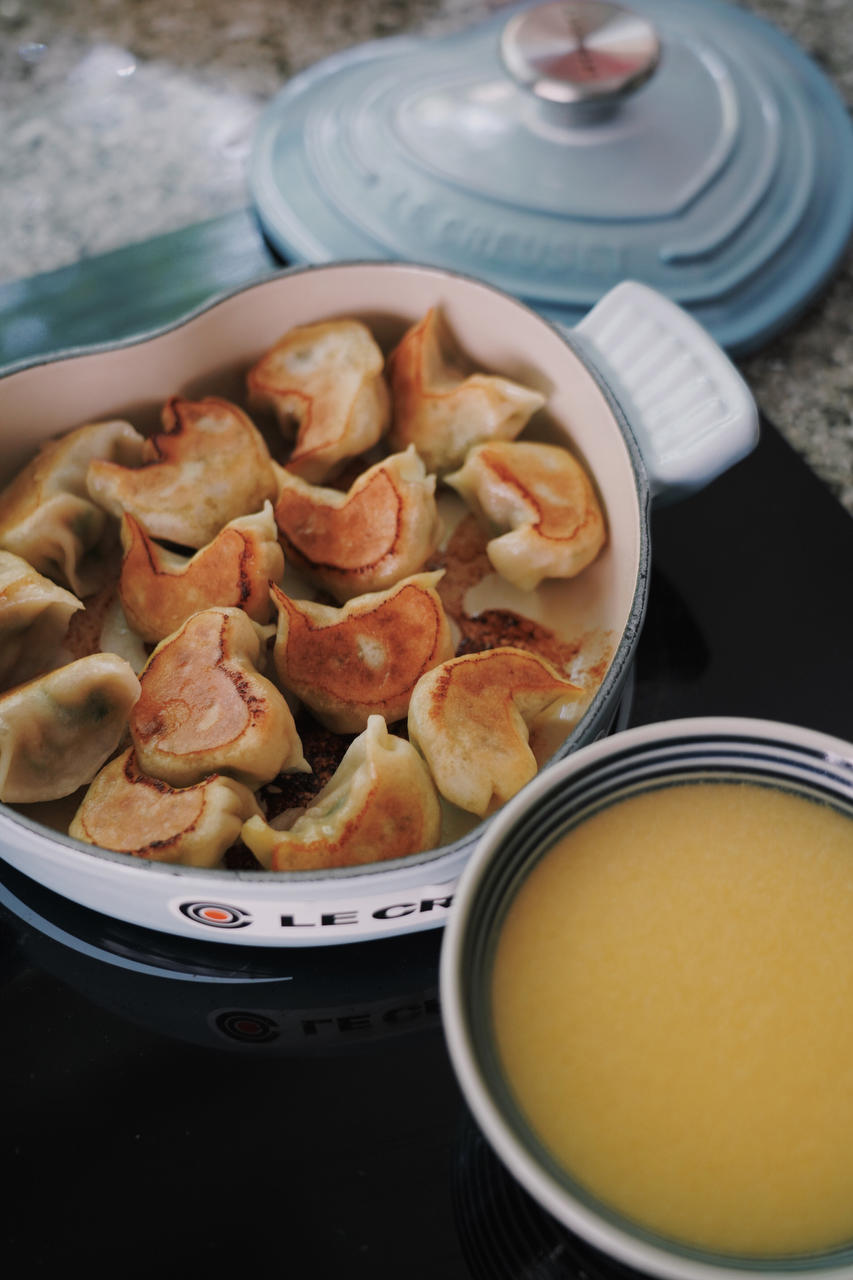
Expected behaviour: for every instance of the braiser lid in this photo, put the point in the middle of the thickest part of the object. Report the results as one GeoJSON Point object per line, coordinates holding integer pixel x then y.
{"type": "Point", "coordinates": [559, 148]}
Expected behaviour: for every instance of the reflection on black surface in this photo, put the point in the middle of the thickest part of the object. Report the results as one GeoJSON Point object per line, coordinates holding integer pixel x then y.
{"type": "Point", "coordinates": [760, 562]}
{"type": "Point", "coordinates": [304, 1106]}
{"type": "Point", "coordinates": [504, 1234]}
{"type": "Point", "coordinates": [262, 1000]}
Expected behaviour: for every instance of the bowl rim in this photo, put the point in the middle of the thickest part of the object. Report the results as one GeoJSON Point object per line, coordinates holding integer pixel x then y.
{"type": "Point", "coordinates": [609, 1236]}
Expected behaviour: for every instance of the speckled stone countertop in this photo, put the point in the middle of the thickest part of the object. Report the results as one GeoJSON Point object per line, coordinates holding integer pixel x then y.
{"type": "Point", "coordinates": [123, 119]}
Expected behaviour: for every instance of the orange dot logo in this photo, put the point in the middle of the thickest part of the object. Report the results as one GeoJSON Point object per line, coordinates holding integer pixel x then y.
{"type": "Point", "coordinates": [216, 915]}
{"type": "Point", "coordinates": [247, 1026]}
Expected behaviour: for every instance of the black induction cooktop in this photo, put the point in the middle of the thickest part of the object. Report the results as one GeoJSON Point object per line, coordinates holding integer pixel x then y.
{"type": "Point", "coordinates": [177, 1108]}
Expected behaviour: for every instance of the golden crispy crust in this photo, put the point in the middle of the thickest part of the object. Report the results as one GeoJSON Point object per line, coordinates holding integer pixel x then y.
{"type": "Point", "coordinates": [209, 465]}
{"type": "Point", "coordinates": [382, 529]}
{"type": "Point", "coordinates": [204, 708]}
{"type": "Point", "coordinates": [129, 812]}
{"type": "Point", "coordinates": [380, 803]}
{"type": "Point", "coordinates": [542, 494]}
{"type": "Point", "coordinates": [159, 590]}
{"type": "Point", "coordinates": [348, 664]}
{"type": "Point", "coordinates": [471, 718]}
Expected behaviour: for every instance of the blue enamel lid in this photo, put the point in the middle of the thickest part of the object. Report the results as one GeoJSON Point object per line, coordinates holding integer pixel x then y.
{"type": "Point", "coordinates": [556, 149]}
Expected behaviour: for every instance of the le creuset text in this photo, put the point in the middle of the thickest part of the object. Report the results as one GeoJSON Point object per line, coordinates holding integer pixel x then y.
{"type": "Point", "coordinates": [220, 915]}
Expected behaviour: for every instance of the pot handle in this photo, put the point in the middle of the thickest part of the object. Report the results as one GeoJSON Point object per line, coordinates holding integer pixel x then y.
{"type": "Point", "coordinates": [691, 412]}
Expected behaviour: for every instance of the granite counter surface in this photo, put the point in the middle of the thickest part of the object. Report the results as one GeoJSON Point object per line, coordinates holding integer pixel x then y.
{"type": "Point", "coordinates": [124, 119]}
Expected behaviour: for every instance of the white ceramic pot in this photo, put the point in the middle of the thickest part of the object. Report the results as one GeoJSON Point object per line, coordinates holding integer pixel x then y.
{"type": "Point", "coordinates": [645, 397]}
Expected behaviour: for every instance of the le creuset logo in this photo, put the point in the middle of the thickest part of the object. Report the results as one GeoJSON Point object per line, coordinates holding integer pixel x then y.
{"type": "Point", "coordinates": [374, 914]}
{"type": "Point", "coordinates": [216, 914]}
{"type": "Point", "coordinates": [247, 1026]}
{"type": "Point", "coordinates": [329, 1025]}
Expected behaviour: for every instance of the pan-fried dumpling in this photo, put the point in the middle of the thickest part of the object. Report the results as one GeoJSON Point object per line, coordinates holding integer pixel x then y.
{"type": "Point", "coordinates": [204, 707]}
{"type": "Point", "coordinates": [128, 812]}
{"type": "Point", "coordinates": [34, 617]}
{"type": "Point", "coordinates": [473, 719]}
{"type": "Point", "coordinates": [380, 803]}
{"type": "Point", "coordinates": [57, 730]}
{"type": "Point", "coordinates": [47, 515]}
{"type": "Point", "coordinates": [443, 408]}
{"type": "Point", "coordinates": [326, 381]}
{"type": "Point", "coordinates": [544, 496]}
{"type": "Point", "coordinates": [159, 589]}
{"type": "Point", "coordinates": [365, 658]}
{"type": "Point", "coordinates": [209, 465]}
{"type": "Point", "coordinates": [384, 528]}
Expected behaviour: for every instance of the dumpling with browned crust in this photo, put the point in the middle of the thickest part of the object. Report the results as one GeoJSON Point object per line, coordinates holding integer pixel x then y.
{"type": "Point", "coordinates": [542, 494]}
{"type": "Point", "coordinates": [47, 515]}
{"type": "Point", "coordinates": [473, 719]}
{"type": "Point", "coordinates": [442, 406]}
{"type": "Point", "coordinates": [160, 588]}
{"type": "Point", "coordinates": [57, 730]}
{"type": "Point", "coordinates": [365, 658]}
{"type": "Point", "coordinates": [384, 528]}
{"type": "Point", "coordinates": [34, 617]}
{"type": "Point", "coordinates": [325, 384]}
{"type": "Point", "coordinates": [128, 812]}
{"type": "Point", "coordinates": [209, 465]}
{"type": "Point", "coordinates": [205, 708]}
{"type": "Point", "coordinates": [380, 803]}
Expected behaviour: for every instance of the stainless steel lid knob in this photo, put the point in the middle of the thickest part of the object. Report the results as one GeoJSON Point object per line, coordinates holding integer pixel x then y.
{"type": "Point", "coordinates": [584, 56]}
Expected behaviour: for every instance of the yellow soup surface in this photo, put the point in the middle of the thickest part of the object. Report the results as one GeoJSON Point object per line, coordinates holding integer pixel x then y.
{"type": "Point", "coordinates": [673, 1004]}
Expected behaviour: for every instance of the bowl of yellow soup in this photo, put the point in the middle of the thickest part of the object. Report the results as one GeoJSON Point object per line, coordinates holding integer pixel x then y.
{"type": "Point", "coordinates": [647, 992]}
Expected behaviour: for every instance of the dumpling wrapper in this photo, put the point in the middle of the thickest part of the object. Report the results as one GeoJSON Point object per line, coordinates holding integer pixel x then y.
{"type": "Point", "coordinates": [380, 803]}
{"type": "Point", "coordinates": [384, 528]}
{"type": "Point", "coordinates": [473, 718]}
{"type": "Point", "coordinates": [160, 589]}
{"type": "Point", "coordinates": [47, 515]}
{"type": "Point", "coordinates": [363, 659]}
{"type": "Point", "coordinates": [325, 381]}
{"type": "Point", "coordinates": [58, 730]}
{"type": "Point", "coordinates": [126, 811]}
{"type": "Point", "coordinates": [34, 618]}
{"type": "Point", "coordinates": [546, 499]}
{"type": "Point", "coordinates": [209, 465]}
{"type": "Point", "coordinates": [441, 408]}
{"type": "Point", "coordinates": [204, 707]}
